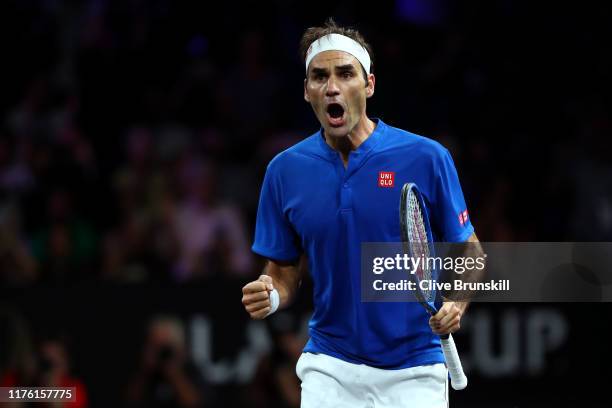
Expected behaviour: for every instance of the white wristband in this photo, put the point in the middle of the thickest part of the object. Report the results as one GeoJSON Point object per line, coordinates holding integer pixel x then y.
{"type": "Point", "coordinates": [274, 301]}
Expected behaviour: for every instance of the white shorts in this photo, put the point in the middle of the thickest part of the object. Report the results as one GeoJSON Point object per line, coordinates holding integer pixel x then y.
{"type": "Point", "coordinates": [330, 382]}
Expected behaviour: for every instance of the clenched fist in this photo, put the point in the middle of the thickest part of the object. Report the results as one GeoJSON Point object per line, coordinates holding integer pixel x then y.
{"type": "Point", "coordinates": [256, 297]}
{"type": "Point", "coordinates": [448, 318]}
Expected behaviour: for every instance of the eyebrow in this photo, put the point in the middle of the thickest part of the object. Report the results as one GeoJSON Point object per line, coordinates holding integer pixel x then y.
{"type": "Point", "coordinates": [316, 71]}
{"type": "Point", "coordinates": [347, 67]}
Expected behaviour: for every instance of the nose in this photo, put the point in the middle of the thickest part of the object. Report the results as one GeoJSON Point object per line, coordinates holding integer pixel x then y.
{"type": "Point", "coordinates": [332, 87]}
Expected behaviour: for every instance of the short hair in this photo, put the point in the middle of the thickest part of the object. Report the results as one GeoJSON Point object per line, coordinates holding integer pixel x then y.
{"type": "Point", "coordinates": [312, 34]}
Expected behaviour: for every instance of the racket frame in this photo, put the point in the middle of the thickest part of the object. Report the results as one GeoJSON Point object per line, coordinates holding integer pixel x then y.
{"type": "Point", "coordinates": [451, 356]}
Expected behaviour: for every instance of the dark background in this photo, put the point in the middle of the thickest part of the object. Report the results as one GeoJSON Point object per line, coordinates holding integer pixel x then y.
{"type": "Point", "coordinates": [134, 137]}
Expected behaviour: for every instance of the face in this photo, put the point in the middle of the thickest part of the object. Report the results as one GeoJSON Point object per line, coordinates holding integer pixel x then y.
{"type": "Point", "coordinates": [337, 91]}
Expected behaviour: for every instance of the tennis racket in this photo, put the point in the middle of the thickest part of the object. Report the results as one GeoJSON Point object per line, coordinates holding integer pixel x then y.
{"type": "Point", "coordinates": [418, 242]}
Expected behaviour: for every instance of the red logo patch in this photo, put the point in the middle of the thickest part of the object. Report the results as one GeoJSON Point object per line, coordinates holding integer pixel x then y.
{"type": "Point", "coordinates": [463, 217]}
{"type": "Point", "coordinates": [386, 179]}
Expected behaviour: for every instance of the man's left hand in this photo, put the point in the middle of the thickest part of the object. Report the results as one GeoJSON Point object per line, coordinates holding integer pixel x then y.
{"type": "Point", "coordinates": [448, 318]}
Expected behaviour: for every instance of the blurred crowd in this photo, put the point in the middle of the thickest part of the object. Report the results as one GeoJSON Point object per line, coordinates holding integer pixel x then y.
{"type": "Point", "coordinates": [134, 136]}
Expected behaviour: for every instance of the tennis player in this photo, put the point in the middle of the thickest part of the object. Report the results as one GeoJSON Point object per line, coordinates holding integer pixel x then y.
{"type": "Point", "coordinates": [321, 199]}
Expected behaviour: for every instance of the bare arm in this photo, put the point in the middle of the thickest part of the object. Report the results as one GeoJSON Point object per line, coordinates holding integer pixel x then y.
{"type": "Point", "coordinates": [285, 277]}
{"type": "Point", "coordinates": [448, 318]}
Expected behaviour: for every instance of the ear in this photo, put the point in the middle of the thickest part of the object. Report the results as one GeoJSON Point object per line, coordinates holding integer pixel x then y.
{"type": "Point", "coordinates": [306, 97]}
{"type": "Point", "coordinates": [370, 86]}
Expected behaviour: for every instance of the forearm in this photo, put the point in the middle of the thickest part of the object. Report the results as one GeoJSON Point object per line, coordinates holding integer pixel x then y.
{"type": "Point", "coordinates": [471, 249]}
{"type": "Point", "coordinates": [275, 288]}
{"type": "Point", "coordinates": [286, 277]}
{"type": "Point", "coordinates": [448, 318]}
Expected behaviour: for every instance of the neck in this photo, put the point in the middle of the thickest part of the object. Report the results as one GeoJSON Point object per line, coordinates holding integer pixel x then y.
{"type": "Point", "coordinates": [345, 144]}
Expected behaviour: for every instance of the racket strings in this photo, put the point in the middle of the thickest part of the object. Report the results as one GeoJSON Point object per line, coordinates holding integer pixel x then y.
{"type": "Point", "coordinates": [417, 235]}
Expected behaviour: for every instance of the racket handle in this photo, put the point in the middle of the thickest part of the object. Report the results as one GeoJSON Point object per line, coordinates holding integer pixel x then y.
{"type": "Point", "coordinates": [457, 376]}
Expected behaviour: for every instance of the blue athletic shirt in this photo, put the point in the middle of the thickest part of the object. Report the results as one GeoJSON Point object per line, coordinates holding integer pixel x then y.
{"type": "Point", "coordinates": [311, 203]}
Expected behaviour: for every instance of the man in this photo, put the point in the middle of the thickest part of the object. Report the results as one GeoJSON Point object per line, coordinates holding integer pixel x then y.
{"type": "Point", "coordinates": [166, 376]}
{"type": "Point", "coordinates": [322, 198]}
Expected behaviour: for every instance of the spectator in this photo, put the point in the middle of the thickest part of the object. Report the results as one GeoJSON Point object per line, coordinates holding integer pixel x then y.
{"type": "Point", "coordinates": [17, 266]}
{"type": "Point", "coordinates": [66, 246]}
{"type": "Point", "coordinates": [166, 377]}
{"type": "Point", "coordinates": [49, 367]}
{"type": "Point", "coordinates": [203, 225]}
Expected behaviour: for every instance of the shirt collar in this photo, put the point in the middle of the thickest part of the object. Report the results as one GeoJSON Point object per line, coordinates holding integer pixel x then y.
{"type": "Point", "coordinates": [363, 149]}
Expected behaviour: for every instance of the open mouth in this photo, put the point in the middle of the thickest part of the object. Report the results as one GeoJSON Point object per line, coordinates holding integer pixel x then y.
{"type": "Point", "coordinates": [335, 114]}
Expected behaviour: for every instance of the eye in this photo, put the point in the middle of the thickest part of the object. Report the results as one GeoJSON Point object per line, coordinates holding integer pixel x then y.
{"type": "Point", "coordinates": [319, 77]}
{"type": "Point", "coordinates": [347, 74]}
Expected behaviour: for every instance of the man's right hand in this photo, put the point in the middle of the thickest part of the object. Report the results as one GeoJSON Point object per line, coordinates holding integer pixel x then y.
{"type": "Point", "coordinates": [256, 297]}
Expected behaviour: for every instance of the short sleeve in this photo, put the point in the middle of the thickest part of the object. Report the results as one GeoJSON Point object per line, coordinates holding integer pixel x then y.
{"type": "Point", "coordinates": [450, 215]}
{"type": "Point", "coordinates": [274, 236]}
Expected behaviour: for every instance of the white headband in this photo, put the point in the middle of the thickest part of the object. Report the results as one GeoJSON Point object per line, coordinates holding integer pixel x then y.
{"type": "Point", "coordinates": [338, 42]}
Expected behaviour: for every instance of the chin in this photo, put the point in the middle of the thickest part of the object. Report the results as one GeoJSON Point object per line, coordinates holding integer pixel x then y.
{"type": "Point", "coordinates": [337, 131]}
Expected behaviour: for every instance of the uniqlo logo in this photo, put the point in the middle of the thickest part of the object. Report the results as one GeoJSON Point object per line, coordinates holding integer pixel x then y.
{"type": "Point", "coordinates": [386, 179]}
{"type": "Point", "coordinates": [463, 217]}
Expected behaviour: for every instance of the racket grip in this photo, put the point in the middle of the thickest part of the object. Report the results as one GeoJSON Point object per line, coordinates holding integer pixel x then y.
{"type": "Point", "coordinates": [457, 376]}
